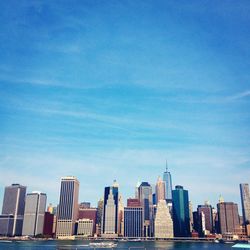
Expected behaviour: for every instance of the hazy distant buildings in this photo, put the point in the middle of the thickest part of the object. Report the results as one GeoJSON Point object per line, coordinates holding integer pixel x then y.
{"type": "Point", "coordinates": [181, 212]}
{"type": "Point", "coordinates": [168, 182]}
{"type": "Point", "coordinates": [110, 211]}
{"type": "Point", "coordinates": [35, 206]}
{"type": "Point", "coordinates": [145, 197]}
{"type": "Point", "coordinates": [245, 202]}
{"type": "Point", "coordinates": [68, 207]}
{"type": "Point", "coordinates": [14, 204]}
{"type": "Point", "coordinates": [163, 227]}
{"type": "Point", "coordinates": [228, 218]}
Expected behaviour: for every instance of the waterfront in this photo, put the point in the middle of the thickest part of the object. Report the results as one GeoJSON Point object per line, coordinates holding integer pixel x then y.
{"type": "Point", "coordinates": [80, 244]}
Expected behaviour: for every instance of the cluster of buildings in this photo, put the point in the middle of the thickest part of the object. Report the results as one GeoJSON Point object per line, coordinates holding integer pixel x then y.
{"type": "Point", "coordinates": [160, 212]}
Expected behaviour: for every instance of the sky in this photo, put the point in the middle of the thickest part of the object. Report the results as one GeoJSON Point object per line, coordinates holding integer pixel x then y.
{"type": "Point", "coordinates": [106, 90]}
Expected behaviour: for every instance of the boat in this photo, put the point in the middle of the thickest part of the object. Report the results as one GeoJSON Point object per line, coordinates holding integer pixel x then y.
{"type": "Point", "coordinates": [102, 244]}
{"type": "Point", "coordinates": [135, 240]}
{"type": "Point", "coordinates": [241, 246]}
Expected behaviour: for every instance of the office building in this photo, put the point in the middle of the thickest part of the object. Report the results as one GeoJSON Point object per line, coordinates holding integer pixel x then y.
{"type": "Point", "coordinates": [85, 227]}
{"type": "Point", "coordinates": [163, 221]}
{"type": "Point", "coordinates": [133, 219]}
{"type": "Point", "coordinates": [181, 212]}
{"type": "Point", "coordinates": [133, 202]}
{"type": "Point", "coordinates": [205, 213]}
{"type": "Point", "coordinates": [67, 213]}
{"type": "Point", "coordinates": [48, 224]}
{"type": "Point", "coordinates": [6, 225]}
{"type": "Point", "coordinates": [145, 197]}
{"type": "Point", "coordinates": [228, 218]}
{"type": "Point", "coordinates": [245, 202]}
{"type": "Point", "coordinates": [35, 206]}
{"type": "Point", "coordinates": [120, 216]}
{"type": "Point", "coordinates": [13, 204]}
{"type": "Point", "coordinates": [160, 190]}
{"type": "Point", "coordinates": [168, 182]}
{"type": "Point", "coordinates": [90, 213]}
{"type": "Point", "coordinates": [110, 211]}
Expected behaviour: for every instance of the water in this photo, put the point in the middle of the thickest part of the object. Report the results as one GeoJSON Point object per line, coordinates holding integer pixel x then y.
{"type": "Point", "coordinates": [80, 244]}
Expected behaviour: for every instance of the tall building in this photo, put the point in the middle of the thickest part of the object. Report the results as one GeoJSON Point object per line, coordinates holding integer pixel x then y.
{"type": "Point", "coordinates": [191, 216]}
{"type": "Point", "coordinates": [120, 216]}
{"type": "Point", "coordinates": [205, 213]}
{"type": "Point", "coordinates": [163, 221]}
{"type": "Point", "coordinates": [133, 219]}
{"type": "Point", "coordinates": [110, 211]}
{"type": "Point", "coordinates": [181, 212]}
{"type": "Point", "coordinates": [160, 190]}
{"type": "Point", "coordinates": [13, 204]}
{"type": "Point", "coordinates": [245, 202]}
{"type": "Point", "coordinates": [145, 197]}
{"type": "Point", "coordinates": [99, 216]}
{"type": "Point", "coordinates": [35, 206]}
{"type": "Point", "coordinates": [228, 217]}
{"type": "Point", "coordinates": [68, 207]}
{"type": "Point", "coordinates": [48, 224]}
{"type": "Point", "coordinates": [137, 189]}
{"type": "Point", "coordinates": [6, 225]}
{"type": "Point", "coordinates": [168, 182]}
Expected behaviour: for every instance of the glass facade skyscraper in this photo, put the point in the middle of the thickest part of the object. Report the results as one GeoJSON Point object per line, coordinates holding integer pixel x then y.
{"type": "Point", "coordinates": [181, 212]}
{"type": "Point", "coordinates": [245, 202]}
{"type": "Point", "coordinates": [168, 182]}
{"type": "Point", "coordinates": [145, 197]}
{"type": "Point", "coordinates": [14, 204]}
{"type": "Point", "coordinates": [68, 207]}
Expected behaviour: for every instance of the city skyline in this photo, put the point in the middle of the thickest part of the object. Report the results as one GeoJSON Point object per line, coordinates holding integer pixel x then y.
{"type": "Point", "coordinates": [100, 89]}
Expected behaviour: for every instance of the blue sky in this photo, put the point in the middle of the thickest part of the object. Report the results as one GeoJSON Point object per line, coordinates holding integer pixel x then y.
{"type": "Point", "coordinates": [108, 90]}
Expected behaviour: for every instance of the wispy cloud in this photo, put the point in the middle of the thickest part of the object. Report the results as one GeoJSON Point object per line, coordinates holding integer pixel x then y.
{"type": "Point", "coordinates": [238, 96]}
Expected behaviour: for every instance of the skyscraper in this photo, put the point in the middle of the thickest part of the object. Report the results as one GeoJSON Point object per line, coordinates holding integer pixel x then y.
{"type": "Point", "coordinates": [145, 197]}
{"type": "Point", "coordinates": [133, 219]}
{"type": "Point", "coordinates": [245, 202]}
{"type": "Point", "coordinates": [110, 211]}
{"type": "Point", "coordinates": [160, 190]}
{"type": "Point", "coordinates": [228, 217]}
{"type": "Point", "coordinates": [163, 221]}
{"type": "Point", "coordinates": [168, 182]}
{"type": "Point", "coordinates": [206, 226]}
{"type": "Point", "coordinates": [35, 206]}
{"type": "Point", "coordinates": [13, 204]}
{"type": "Point", "coordinates": [181, 212]}
{"type": "Point", "coordinates": [68, 207]}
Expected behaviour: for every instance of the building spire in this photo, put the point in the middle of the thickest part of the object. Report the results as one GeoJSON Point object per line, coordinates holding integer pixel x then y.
{"type": "Point", "coordinates": [166, 165]}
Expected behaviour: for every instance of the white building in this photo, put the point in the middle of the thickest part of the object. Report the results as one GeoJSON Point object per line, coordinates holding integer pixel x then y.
{"type": "Point", "coordinates": [163, 221]}
{"type": "Point", "coordinates": [110, 218]}
{"type": "Point", "coordinates": [85, 227]}
{"type": "Point", "coordinates": [35, 206]}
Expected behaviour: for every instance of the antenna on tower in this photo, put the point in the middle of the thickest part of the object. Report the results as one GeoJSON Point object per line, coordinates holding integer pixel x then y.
{"type": "Point", "coordinates": [166, 165]}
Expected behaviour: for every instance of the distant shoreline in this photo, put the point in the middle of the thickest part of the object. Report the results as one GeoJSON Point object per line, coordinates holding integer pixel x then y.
{"type": "Point", "coordinates": [135, 240]}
